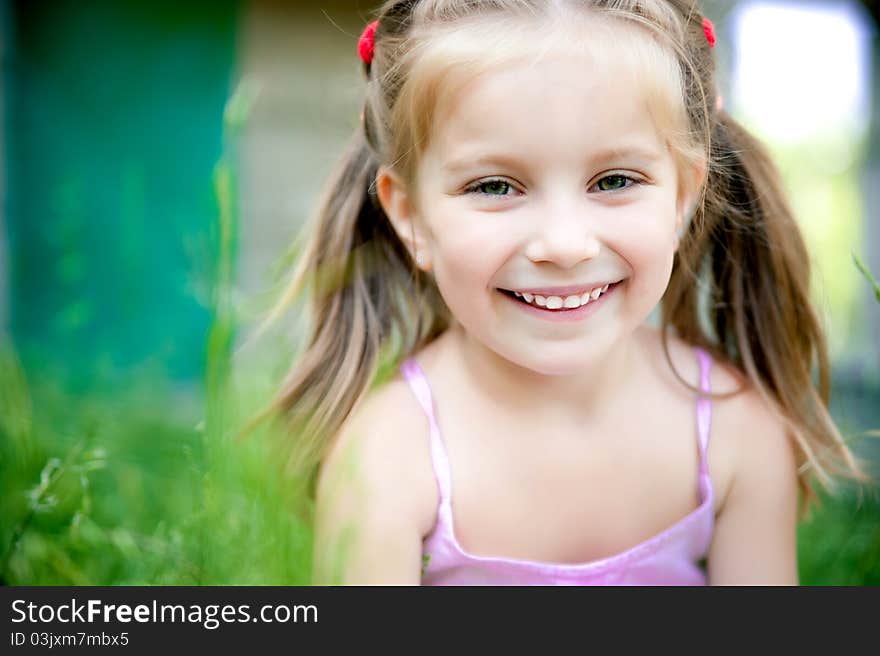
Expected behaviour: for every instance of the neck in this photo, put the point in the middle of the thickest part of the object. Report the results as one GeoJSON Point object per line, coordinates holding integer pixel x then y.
{"type": "Point", "coordinates": [582, 398]}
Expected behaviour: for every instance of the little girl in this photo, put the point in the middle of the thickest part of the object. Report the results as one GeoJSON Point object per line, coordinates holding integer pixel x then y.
{"type": "Point", "coordinates": [482, 399]}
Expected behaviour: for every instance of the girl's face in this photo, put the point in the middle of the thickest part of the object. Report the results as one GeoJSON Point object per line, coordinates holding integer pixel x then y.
{"type": "Point", "coordinates": [543, 175]}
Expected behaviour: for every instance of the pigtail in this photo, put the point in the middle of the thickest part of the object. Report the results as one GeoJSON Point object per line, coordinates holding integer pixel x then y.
{"type": "Point", "coordinates": [368, 304]}
{"type": "Point", "coordinates": [364, 293]}
{"type": "Point", "coordinates": [740, 288]}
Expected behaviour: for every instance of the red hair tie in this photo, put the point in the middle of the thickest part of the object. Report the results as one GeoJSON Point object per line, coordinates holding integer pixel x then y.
{"type": "Point", "coordinates": [367, 41]}
{"type": "Point", "coordinates": [709, 31]}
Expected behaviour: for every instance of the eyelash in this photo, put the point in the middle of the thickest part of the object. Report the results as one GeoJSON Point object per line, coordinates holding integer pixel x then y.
{"type": "Point", "coordinates": [474, 188]}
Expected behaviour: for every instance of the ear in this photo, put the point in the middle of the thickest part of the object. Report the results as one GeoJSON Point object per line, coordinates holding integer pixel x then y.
{"type": "Point", "coordinates": [690, 186]}
{"type": "Point", "coordinates": [399, 208]}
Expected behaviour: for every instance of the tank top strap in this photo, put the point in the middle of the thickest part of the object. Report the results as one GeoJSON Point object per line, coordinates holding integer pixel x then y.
{"type": "Point", "coordinates": [704, 407]}
{"type": "Point", "coordinates": [418, 382]}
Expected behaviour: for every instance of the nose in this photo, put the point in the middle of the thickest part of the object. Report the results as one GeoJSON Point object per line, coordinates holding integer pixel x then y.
{"type": "Point", "coordinates": [565, 234]}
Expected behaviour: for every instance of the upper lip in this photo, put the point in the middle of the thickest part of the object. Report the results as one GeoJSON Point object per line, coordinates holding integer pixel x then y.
{"type": "Point", "coordinates": [563, 291]}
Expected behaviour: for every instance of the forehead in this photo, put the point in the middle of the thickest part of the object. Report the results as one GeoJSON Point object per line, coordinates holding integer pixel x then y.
{"type": "Point", "coordinates": [549, 108]}
{"type": "Point", "coordinates": [584, 85]}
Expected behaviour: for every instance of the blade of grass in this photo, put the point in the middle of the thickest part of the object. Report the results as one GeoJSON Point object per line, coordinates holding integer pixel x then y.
{"type": "Point", "coordinates": [868, 276]}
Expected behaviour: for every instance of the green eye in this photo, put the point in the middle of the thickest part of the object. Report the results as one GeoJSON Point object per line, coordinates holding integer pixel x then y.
{"type": "Point", "coordinates": [613, 182]}
{"type": "Point", "coordinates": [494, 187]}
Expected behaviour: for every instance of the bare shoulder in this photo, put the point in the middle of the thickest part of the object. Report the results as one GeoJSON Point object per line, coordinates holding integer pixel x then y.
{"type": "Point", "coordinates": [755, 533]}
{"type": "Point", "coordinates": [383, 451]}
{"type": "Point", "coordinates": [747, 432]}
{"type": "Point", "coordinates": [759, 436]}
{"type": "Point", "coordinates": [375, 498]}
{"type": "Point", "coordinates": [728, 414]}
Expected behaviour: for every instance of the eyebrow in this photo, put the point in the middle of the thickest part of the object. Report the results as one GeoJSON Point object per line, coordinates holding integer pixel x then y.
{"type": "Point", "coordinates": [627, 152]}
{"type": "Point", "coordinates": [468, 162]}
{"type": "Point", "coordinates": [464, 163]}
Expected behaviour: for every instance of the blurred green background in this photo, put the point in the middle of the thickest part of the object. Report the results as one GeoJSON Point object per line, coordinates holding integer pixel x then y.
{"type": "Point", "coordinates": [157, 160]}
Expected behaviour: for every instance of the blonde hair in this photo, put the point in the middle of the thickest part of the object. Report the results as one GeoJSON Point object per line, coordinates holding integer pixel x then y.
{"type": "Point", "coordinates": [740, 282]}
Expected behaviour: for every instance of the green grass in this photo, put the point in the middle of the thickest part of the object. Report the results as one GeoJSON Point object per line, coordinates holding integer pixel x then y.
{"type": "Point", "coordinates": [124, 491]}
{"type": "Point", "coordinates": [840, 545]}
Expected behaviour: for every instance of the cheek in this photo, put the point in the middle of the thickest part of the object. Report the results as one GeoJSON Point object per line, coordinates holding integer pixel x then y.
{"type": "Point", "coordinates": [466, 260]}
{"type": "Point", "coordinates": [647, 243]}
{"type": "Point", "coordinates": [647, 230]}
{"type": "Point", "coordinates": [466, 255]}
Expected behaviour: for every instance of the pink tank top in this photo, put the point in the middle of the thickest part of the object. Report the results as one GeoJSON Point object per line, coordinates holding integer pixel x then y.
{"type": "Point", "coordinates": [669, 558]}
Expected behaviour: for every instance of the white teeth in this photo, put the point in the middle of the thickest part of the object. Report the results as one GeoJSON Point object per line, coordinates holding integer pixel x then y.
{"type": "Point", "coordinates": [556, 302]}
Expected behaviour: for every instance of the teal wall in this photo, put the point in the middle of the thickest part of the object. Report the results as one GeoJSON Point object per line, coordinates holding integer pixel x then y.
{"type": "Point", "coordinates": [113, 127]}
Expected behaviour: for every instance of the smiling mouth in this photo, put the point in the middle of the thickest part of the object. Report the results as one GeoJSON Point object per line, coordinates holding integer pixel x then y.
{"type": "Point", "coordinates": [541, 303]}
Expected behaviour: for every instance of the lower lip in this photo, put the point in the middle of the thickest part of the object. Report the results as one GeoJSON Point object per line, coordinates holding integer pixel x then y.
{"type": "Point", "coordinates": [563, 314]}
